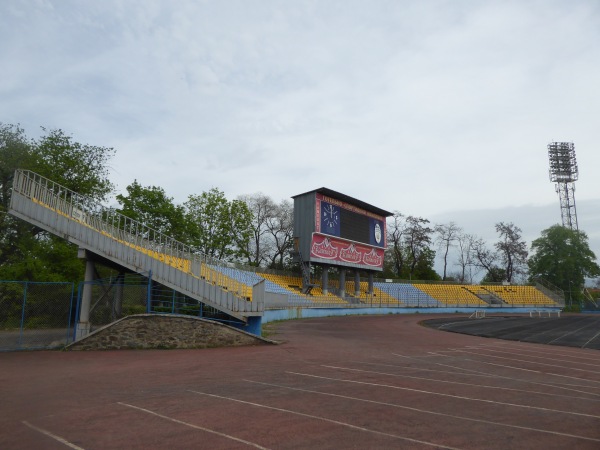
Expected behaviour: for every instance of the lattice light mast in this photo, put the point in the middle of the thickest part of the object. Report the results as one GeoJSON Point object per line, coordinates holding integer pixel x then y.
{"type": "Point", "coordinates": [564, 172]}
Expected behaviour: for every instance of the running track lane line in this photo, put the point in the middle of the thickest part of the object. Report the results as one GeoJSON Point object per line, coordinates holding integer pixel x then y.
{"type": "Point", "coordinates": [487, 349]}
{"type": "Point", "coordinates": [524, 349]}
{"type": "Point", "coordinates": [425, 411]}
{"type": "Point", "coordinates": [520, 360]}
{"type": "Point", "coordinates": [515, 368]}
{"type": "Point", "coordinates": [595, 336]}
{"type": "Point", "coordinates": [191, 425]}
{"type": "Point", "coordinates": [555, 385]}
{"type": "Point", "coordinates": [487, 386]}
{"type": "Point", "coordinates": [531, 370]}
{"type": "Point", "coordinates": [336, 422]}
{"type": "Point", "coordinates": [460, 397]}
{"type": "Point", "coordinates": [51, 435]}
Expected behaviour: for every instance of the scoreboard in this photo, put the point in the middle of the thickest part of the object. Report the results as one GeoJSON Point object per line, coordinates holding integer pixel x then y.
{"type": "Point", "coordinates": [335, 229]}
{"type": "Point", "coordinates": [348, 222]}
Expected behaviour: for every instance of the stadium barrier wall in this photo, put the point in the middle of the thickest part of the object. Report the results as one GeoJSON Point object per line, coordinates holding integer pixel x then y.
{"type": "Point", "coordinates": [273, 315]}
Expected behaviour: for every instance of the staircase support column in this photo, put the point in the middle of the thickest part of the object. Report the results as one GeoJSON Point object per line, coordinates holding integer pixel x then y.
{"type": "Point", "coordinates": [83, 322]}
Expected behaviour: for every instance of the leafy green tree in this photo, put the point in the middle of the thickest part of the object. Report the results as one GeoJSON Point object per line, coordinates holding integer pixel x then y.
{"type": "Point", "coordinates": [563, 257]}
{"type": "Point", "coordinates": [417, 241]}
{"type": "Point", "coordinates": [152, 207]}
{"type": "Point", "coordinates": [424, 268]}
{"type": "Point", "coordinates": [28, 252]}
{"type": "Point", "coordinates": [217, 227]}
{"type": "Point", "coordinates": [79, 167]}
{"type": "Point", "coordinates": [15, 152]}
{"type": "Point", "coordinates": [15, 235]}
{"type": "Point", "coordinates": [494, 274]}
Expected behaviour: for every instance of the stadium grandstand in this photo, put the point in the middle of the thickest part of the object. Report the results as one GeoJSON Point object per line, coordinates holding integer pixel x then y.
{"type": "Point", "coordinates": [390, 293]}
{"type": "Point", "coordinates": [396, 293]}
{"type": "Point", "coordinates": [338, 236]}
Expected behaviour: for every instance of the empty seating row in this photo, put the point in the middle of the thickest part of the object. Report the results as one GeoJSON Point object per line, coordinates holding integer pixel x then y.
{"type": "Point", "coordinates": [407, 294]}
{"type": "Point", "coordinates": [451, 294]}
{"type": "Point", "coordinates": [521, 295]}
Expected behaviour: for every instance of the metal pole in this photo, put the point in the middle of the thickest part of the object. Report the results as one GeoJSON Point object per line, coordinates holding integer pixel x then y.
{"type": "Point", "coordinates": [23, 313]}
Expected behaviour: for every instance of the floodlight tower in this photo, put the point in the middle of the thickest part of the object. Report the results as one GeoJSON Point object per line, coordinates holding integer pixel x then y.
{"type": "Point", "coordinates": [564, 172]}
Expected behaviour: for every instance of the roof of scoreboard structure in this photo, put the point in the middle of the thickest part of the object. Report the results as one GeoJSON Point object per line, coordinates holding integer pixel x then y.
{"type": "Point", "coordinates": [347, 199]}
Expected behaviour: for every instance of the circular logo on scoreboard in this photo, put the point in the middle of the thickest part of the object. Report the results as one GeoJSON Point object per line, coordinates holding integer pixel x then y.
{"type": "Point", "coordinates": [377, 233]}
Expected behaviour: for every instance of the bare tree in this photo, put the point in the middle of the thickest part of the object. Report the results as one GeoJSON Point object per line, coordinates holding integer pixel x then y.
{"type": "Point", "coordinates": [396, 228]}
{"type": "Point", "coordinates": [447, 235]}
{"type": "Point", "coordinates": [486, 259]}
{"type": "Point", "coordinates": [464, 244]}
{"type": "Point", "coordinates": [281, 232]}
{"type": "Point", "coordinates": [512, 250]}
{"type": "Point", "coordinates": [262, 208]}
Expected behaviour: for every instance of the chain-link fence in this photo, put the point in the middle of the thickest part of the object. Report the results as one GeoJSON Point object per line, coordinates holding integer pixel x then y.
{"type": "Point", "coordinates": [128, 294]}
{"type": "Point", "coordinates": [114, 298]}
{"type": "Point", "coordinates": [36, 315]}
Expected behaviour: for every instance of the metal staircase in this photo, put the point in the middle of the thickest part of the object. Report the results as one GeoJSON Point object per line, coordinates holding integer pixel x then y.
{"type": "Point", "coordinates": [305, 268]}
{"type": "Point", "coordinates": [130, 244]}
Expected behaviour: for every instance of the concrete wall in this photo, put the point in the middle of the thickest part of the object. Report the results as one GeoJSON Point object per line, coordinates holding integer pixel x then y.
{"type": "Point", "coordinates": [147, 331]}
{"type": "Point", "coordinates": [302, 313]}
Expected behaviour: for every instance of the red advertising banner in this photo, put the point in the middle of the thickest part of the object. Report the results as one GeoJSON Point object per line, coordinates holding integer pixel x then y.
{"type": "Point", "coordinates": [343, 251]}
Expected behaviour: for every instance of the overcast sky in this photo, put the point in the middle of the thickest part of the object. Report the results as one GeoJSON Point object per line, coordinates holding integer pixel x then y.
{"type": "Point", "coordinates": [441, 109]}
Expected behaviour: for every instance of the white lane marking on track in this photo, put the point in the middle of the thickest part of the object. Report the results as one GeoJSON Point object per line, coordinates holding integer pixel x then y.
{"type": "Point", "coordinates": [441, 394]}
{"type": "Point", "coordinates": [422, 369]}
{"type": "Point", "coordinates": [425, 411]}
{"type": "Point", "coordinates": [436, 380]}
{"type": "Point", "coordinates": [556, 385]}
{"type": "Point", "coordinates": [537, 357]}
{"type": "Point", "coordinates": [590, 340]}
{"type": "Point", "coordinates": [537, 371]}
{"type": "Point", "coordinates": [519, 368]}
{"type": "Point", "coordinates": [52, 435]}
{"type": "Point", "coordinates": [525, 361]}
{"type": "Point", "coordinates": [554, 350]}
{"type": "Point", "coordinates": [191, 425]}
{"type": "Point", "coordinates": [571, 332]}
{"type": "Point", "coordinates": [337, 422]}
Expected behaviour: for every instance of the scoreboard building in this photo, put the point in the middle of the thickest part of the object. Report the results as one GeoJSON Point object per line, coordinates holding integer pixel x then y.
{"type": "Point", "coordinates": [335, 230]}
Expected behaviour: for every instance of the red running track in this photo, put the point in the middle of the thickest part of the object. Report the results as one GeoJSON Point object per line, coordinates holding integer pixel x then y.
{"type": "Point", "coordinates": [340, 382]}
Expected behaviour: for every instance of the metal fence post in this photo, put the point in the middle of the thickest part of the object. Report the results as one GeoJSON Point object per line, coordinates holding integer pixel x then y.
{"type": "Point", "coordinates": [23, 313]}
{"type": "Point", "coordinates": [70, 313]}
{"type": "Point", "coordinates": [77, 308]}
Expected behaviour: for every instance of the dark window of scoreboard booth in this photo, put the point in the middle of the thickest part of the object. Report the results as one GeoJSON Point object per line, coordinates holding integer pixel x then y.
{"type": "Point", "coordinates": [360, 228]}
{"type": "Point", "coordinates": [350, 225]}
{"type": "Point", "coordinates": [354, 226]}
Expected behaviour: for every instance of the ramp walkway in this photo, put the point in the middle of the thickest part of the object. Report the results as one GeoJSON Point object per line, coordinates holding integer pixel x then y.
{"type": "Point", "coordinates": [132, 245]}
